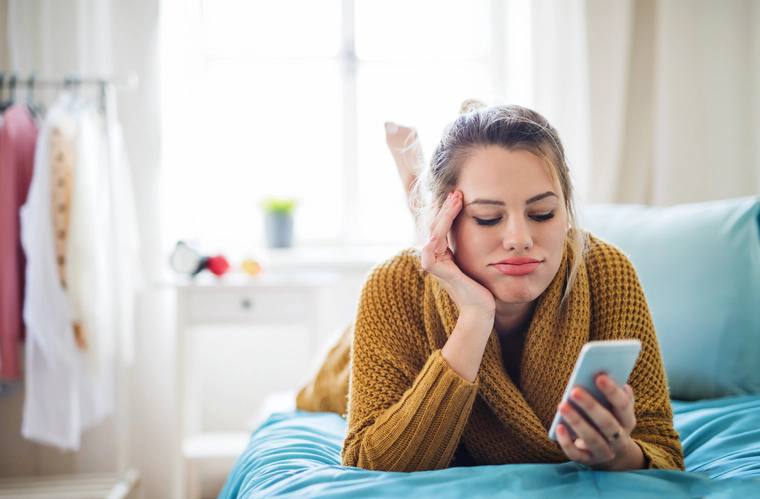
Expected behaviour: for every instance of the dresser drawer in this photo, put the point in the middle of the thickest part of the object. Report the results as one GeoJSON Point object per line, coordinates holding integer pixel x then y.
{"type": "Point", "coordinates": [205, 305]}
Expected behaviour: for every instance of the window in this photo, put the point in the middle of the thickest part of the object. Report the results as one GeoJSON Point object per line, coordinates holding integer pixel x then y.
{"type": "Point", "coordinates": [289, 98]}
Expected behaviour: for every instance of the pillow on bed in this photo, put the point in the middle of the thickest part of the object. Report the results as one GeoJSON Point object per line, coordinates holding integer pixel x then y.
{"type": "Point", "coordinates": [699, 265]}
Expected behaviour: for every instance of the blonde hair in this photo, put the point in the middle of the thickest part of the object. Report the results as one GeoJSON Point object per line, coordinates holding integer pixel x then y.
{"type": "Point", "coordinates": [514, 128]}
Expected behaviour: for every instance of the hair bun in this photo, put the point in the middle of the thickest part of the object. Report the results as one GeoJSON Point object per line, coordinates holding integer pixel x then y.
{"type": "Point", "coordinates": [471, 105]}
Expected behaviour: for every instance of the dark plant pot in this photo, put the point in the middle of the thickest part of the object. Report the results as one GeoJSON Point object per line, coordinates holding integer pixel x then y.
{"type": "Point", "coordinates": [279, 229]}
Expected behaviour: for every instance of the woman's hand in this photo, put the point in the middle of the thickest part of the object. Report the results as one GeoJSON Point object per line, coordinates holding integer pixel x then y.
{"type": "Point", "coordinates": [437, 259]}
{"type": "Point", "coordinates": [464, 349]}
{"type": "Point", "coordinates": [605, 443]}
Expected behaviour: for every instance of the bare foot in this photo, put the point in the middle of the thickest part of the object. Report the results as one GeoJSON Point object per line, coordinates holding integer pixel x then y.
{"type": "Point", "coordinates": [407, 152]}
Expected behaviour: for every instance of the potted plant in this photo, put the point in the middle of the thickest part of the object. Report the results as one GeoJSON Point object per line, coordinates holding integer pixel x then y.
{"type": "Point", "coordinates": [278, 221]}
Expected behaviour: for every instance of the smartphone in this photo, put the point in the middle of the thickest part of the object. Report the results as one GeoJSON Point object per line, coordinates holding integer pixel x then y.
{"type": "Point", "coordinates": [615, 358]}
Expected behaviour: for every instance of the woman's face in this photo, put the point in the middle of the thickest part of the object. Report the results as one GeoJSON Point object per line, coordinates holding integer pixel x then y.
{"type": "Point", "coordinates": [510, 234]}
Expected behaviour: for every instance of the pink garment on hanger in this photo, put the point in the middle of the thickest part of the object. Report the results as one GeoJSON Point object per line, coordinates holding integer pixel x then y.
{"type": "Point", "coordinates": [17, 142]}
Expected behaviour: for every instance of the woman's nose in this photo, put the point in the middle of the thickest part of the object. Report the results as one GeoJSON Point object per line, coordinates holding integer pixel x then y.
{"type": "Point", "coordinates": [517, 235]}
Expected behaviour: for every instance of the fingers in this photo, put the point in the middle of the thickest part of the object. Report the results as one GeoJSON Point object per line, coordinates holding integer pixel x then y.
{"type": "Point", "coordinates": [621, 400]}
{"type": "Point", "coordinates": [600, 450]}
{"type": "Point", "coordinates": [603, 434]}
{"type": "Point", "coordinates": [602, 419]}
{"type": "Point", "coordinates": [436, 249]}
{"type": "Point", "coordinates": [579, 453]}
{"type": "Point", "coordinates": [448, 211]}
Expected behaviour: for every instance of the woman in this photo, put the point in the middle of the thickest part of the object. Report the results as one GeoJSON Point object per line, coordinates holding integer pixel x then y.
{"type": "Point", "coordinates": [461, 351]}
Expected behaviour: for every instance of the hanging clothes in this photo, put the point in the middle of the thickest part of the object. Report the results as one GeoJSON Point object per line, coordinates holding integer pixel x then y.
{"type": "Point", "coordinates": [51, 354]}
{"type": "Point", "coordinates": [70, 382]}
{"type": "Point", "coordinates": [18, 137]}
{"type": "Point", "coordinates": [126, 258]}
{"type": "Point", "coordinates": [103, 266]}
{"type": "Point", "coordinates": [89, 272]}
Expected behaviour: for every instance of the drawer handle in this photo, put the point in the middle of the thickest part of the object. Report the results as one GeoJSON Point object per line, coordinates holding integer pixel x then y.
{"type": "Point", "coordinates": [246, 304]}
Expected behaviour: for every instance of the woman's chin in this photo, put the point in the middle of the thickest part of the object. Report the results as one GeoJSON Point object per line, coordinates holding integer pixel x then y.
{"type": "Point", "coordinates": [521, 295]}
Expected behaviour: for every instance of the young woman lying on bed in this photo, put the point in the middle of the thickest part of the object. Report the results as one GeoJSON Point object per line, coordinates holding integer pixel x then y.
{"type": "Point", "coordinates": [460, 352]}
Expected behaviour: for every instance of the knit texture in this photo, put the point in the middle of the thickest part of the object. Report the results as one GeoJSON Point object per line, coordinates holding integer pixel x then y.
{"type": "Point", "coordinates": [409, 411]}
{"type": "Point", "coordinates": [328, 390]}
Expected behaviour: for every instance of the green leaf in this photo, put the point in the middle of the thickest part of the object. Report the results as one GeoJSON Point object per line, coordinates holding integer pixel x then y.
{"type": "Point", "coordinates": [282, 206]}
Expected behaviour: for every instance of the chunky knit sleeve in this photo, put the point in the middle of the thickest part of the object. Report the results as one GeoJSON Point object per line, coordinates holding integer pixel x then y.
{"type": "Point", "coordinates": [407, 408]}
{"type": "Point", "coordinates": [619, 310]}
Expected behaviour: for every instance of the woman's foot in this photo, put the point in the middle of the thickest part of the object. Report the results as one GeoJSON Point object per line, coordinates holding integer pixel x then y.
{"type": "Point", "coordinates": [407, 152]}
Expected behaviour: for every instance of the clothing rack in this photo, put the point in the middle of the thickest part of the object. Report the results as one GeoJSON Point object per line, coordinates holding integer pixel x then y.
{"type": "Point", "coordinates": [129, 82]}
{"type": "Point", "coordinates": [124, 482]}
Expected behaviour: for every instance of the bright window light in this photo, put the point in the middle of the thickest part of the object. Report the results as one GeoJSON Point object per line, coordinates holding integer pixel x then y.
{"type": "Point", "coordinates": [443, 30]}
{"type": "Point", "coordinates": [284, 139]}
{"type": "Point", "coordinates": [426, 96]}
{"type": "Point", "coordinates": [272, 29]}
{"type": "Point", "coordinates": [288, 98]}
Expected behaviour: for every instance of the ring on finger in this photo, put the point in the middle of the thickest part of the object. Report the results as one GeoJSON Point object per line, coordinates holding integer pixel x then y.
{"type": "Point", "coordinates": [616, 436]}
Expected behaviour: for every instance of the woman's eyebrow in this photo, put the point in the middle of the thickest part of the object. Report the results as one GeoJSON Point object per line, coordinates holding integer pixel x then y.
{"type": "Point", "coordinates": [501, 203]}
{"type": "Point", "coordinates": [485, 201]}
{"type": "Point", "coordinates": [540, 197]}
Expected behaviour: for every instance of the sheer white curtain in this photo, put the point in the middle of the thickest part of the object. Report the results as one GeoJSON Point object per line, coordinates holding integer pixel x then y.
{"type": "Point", "coordinates": [658, 101]}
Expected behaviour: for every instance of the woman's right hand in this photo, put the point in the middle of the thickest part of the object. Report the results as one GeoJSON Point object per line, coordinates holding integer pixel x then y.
{"type": "Point", "coordinates": [438, 260]}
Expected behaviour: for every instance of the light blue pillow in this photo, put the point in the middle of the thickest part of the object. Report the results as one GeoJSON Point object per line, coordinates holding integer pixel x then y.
{"type": "Point", "coordinates": [699, 265]}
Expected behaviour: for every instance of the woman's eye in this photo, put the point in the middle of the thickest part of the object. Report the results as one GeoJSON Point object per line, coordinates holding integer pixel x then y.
{"type": "Point", "coordinates": [543, 218]}
{"type": "Point", "coordinates": [491, 221]}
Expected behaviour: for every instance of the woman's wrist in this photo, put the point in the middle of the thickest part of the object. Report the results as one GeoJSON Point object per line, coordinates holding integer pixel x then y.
{"type": "Point", "coordinates": [632, 458]}
{"type": "Point", "coordinates": [465, 347]}
{"type": "Point", "coordinates": [477, 318]}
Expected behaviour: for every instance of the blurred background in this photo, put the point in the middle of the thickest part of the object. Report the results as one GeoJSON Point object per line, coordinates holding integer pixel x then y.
{"type": "Point", "coordinates": [657, 102]}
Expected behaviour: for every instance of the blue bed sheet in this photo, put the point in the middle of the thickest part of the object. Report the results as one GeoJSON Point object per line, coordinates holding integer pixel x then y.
{"type": "Point", "coordinates": [297, 454]}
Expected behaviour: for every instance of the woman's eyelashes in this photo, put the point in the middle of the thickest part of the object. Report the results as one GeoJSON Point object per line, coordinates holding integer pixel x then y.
{"type": "Point", "coordinates": [543, 218]}
{"type": "Point", "coordinates": [486, 222]}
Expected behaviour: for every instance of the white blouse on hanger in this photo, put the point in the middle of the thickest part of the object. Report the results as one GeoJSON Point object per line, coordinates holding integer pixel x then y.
{"type": "Point", "coordinates": [51, 403]}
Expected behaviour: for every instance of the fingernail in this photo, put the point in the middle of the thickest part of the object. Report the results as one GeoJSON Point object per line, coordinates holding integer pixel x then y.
{"type": "Point", "coordinates": [391, 127]}
{"type": "Point", "coordinates": [432, 237]}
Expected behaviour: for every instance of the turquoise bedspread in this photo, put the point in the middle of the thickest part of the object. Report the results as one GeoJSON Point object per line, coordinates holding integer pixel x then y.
{"type": "Point", "coordinates": [297, 454]}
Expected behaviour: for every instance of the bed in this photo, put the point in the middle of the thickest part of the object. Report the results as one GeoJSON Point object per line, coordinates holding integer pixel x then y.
{"type": "Point", "coordinates": [699, 265]}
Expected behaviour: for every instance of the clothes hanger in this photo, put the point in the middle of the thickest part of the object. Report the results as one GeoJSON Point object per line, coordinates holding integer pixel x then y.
{"type": "Point", "coordinates": [102, 97]}
{"type": "Point", "coordinates": [12, 85]}
{"type": "Point", "coordinates": [72, 84]}
{"type": "Point", "coordinates": [76, 89]}
{"type": "Point", "coordinates": [36, 110]}
{"type": "Point", "coordinates": [3, 107]}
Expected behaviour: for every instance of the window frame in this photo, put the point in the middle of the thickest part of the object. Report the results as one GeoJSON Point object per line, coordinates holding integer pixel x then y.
{"type": "Point", "coordinates": [349, 65]}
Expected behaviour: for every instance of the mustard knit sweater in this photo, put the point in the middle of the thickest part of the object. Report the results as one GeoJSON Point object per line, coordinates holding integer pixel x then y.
{"type": "Point", "coordinates": [409, 411]}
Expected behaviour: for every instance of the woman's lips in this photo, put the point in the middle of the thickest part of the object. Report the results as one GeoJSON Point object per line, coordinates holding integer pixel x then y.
{"type": "Point", "coordinates": [517, 266]}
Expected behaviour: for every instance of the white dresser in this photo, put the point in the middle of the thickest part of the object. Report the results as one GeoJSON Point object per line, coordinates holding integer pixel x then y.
{"type": "Point", "coordinates": [241, 338]}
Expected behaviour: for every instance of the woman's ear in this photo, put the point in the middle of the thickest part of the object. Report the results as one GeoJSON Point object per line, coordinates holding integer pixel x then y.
{"type": "Point", "coordinates": [451, 239]}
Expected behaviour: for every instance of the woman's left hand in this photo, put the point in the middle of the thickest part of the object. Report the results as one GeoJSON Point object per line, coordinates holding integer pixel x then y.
{"type": "Point", "coordinates": [605, 443]}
